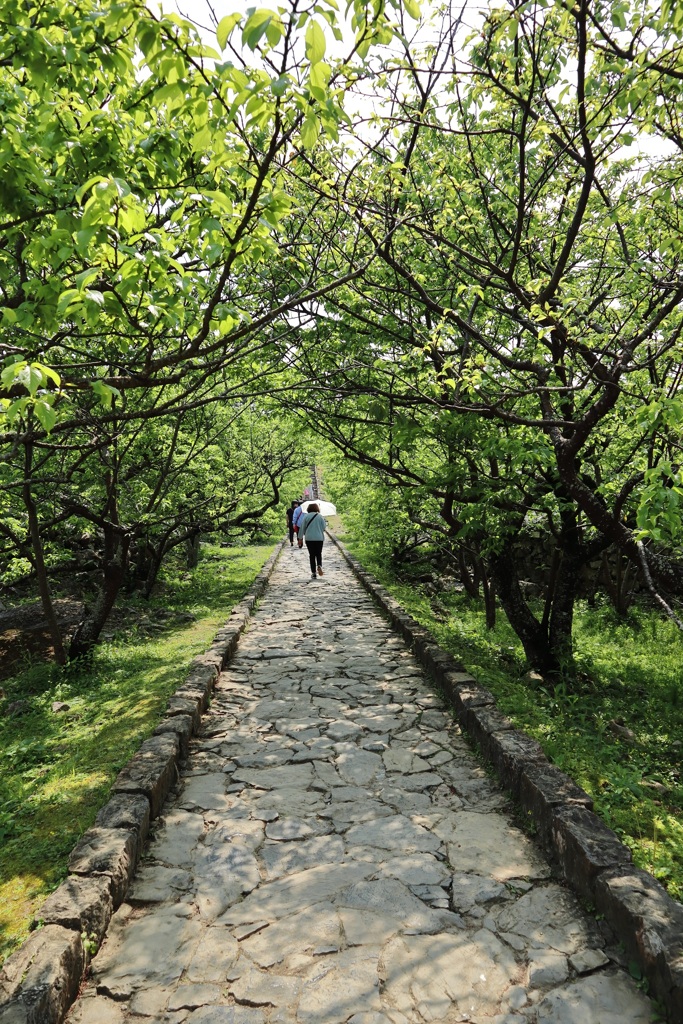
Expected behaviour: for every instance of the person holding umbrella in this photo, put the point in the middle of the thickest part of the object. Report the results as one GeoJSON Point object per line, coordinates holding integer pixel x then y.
{"type": "Point", "coordinates": [312, 530]}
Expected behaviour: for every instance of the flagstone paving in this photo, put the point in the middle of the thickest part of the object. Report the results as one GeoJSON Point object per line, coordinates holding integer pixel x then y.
{"type": "Point", "coordinates": [336, 854]}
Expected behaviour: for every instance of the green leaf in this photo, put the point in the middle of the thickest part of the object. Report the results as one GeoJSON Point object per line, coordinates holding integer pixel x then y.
{"type": "Point", "coordinates": [46, 415]}
{"type": "Point", "coordinates": [274, 30]}
{"type": "Point", "coordinates": [85, 277]}
{"type": "Point", "coordinates": [90, 183]}
{"type": "Point", "coordinates": [31, 378]}
{"type": "Point", "coordinates": [320, 75]}
{"type": "Point", "coordinates": [315, 42]}
{"type": "Point", "coordinates": [413, 9]}
{"type": "Point", "coordinates": [225, 27]}
{"type": "Point", "coordinates": [220, 199]}
{"type": "Point", "coordinates": [634, 970]}
{"type": "Point", "coordinates": [310, 129]}
{"type": "Point", "coordinates": [10, 372]}
{"type": "Point", "coordinates": [201, 140]}
{"type": "Point", "coordinates": [256, 27]}
{"type": "Point", "coordinates": [279, 85]}
{"type": "Point", "coordinates": [83, 240]}
{"type": "Point", "coordinates": [105, 392]}
{"type": "Point", "coordinates": [48, 372]}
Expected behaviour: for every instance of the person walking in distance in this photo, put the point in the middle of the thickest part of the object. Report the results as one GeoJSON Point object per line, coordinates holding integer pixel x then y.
{"type": "Point", "coordinates": [296, 518]}
{"type": "Point", "coordinates": [312, 530]}
{"type": "Point", "coordinates": [290, 522]}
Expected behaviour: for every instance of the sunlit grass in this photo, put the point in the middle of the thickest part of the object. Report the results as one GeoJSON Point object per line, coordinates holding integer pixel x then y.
{"type": "Point", "coordinates": [56, 770]}
{"type": "Point", "coordinates": [630, 675]}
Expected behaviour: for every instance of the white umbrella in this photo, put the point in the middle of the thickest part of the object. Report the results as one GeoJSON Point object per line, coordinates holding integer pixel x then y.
{"type": "Point", "coordinates": [326, 508]}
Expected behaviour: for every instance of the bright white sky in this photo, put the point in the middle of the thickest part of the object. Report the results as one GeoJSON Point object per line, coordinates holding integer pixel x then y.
{"type": "Point", "coordinates": [199, 11]}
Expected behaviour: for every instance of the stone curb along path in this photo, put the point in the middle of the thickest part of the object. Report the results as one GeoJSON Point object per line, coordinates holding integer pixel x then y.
{"type": "Point", "coordinates": [40, 981]}
{"type": "Point", "coordinates": [590, 856]}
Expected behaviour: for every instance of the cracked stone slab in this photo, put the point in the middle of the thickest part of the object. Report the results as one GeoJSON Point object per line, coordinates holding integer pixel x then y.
{"type": "Point", "coordinates": [40, 980]}
{"type": "Point", "coordinates": [286, 896]}
{"type": "Point", "coordinates": [549, 917]}
{"type": "Point", "coordinates": [439, 975]}
{"type": "Point", "coordinates": [106, 851]}
{"type": "Point", "coordinates": [401, 759]}
{"type": "Point", "coordinates": [588, 960]}
{"type": "Point", "coordinates": [339, 987]}
{"type": "Point", "coordinates": [343, 730]}
{"type": "Point", "coordinates": [488, 845]}
{"type": "Point", "coordinates": [547, 967]}
{"type": "Point", "coordinates": [359, 767]}
{"type": "Point", "coordinates": [288, 829]}
{"type": "Point", "coordinates": [297, 776]}
{"type": "Point", "coordinates": [388, 898]}
{"type": "Point", "coordinates": [613, 999]}
{"type": "Point", "coordinates": [368, 927]}
{"type": "Point", "coordinates": [470, 890]}
{"type": "Point", "coordinates": [155, 883]}
{"type": "Point", "coordinates": [146, 950]}
{"type": "Point", "coordinates": [345, 814]}
{"type": "Point", "coordinates": [213, 958]}
{"type": "Point", "coordinates": [191, 996]}
{"type": "Point", "coordinates": [394, 833]}
{"type": "Point", "coordinates": [175, 843]}
{"type": "Point", "coordinates": [80, 903]}
{"type": "Point", "coordinates": [94, 1009]}
{"type": "Point", "coordinates": [315, 930]}
{"type": "Point", "coordinates": [259, 988]}
{"type": "Point", "coordinates": [227, 1015]}
{"type": "Point", "coordinates": [290, 858]}
{"type": "Point", "coordinates": [151, 770]}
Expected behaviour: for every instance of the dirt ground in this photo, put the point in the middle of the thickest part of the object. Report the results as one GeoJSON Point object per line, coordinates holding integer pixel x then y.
{"type": "Point", "coordinates": [24, 635]}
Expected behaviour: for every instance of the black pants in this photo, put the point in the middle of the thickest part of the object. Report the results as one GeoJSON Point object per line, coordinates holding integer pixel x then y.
{"type": "Point", "coordinates": [290, 526]}
{"type": "Point", "coordinates": [315, 553]}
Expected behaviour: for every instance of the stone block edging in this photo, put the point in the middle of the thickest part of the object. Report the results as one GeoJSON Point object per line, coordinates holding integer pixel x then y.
{"type": "Point", "coordinates": [589, 855]}
{"type": "Point", "coordinates": [40, 981]}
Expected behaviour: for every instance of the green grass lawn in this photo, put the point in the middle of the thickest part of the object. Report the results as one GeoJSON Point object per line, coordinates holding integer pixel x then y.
{"type": "Point", "coordinates": [56, 770]}
{"type": "Point", "coordinates": [630, 675]}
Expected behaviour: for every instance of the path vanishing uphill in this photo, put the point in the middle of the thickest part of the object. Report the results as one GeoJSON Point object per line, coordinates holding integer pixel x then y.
{"type": "Point", "coordinates": [335, 853]}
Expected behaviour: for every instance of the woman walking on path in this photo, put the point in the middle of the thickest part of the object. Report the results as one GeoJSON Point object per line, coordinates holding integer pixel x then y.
{"type": "Point", "coordinates": [312, 528]}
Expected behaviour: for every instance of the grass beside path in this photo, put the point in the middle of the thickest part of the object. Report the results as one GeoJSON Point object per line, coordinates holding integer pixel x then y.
{"type": "Point", "coordinates": [630, 681]}
{"type": "Point", "coordinates": [56, 770]}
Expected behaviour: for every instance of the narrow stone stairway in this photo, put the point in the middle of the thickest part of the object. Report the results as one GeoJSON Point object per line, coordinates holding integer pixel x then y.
{"type": "Point", "coordinates": [335, 853]}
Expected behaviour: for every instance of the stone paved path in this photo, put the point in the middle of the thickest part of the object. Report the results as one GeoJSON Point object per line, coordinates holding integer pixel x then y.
{"type": "Point", "coordinates": [336, 854]}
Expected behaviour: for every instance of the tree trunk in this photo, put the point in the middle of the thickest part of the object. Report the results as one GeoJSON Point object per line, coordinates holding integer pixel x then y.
{"type": "Point", "coordinates": [39, 564]}
{"type": "Point", "coordinates": [192, 545]}
{"type": "Point", "coordinates": [572, 555]}
{"type": "Point", "coordinates": [550, 588]}
{"type": "Point", "coordinates": [142, 559]}
{"type": "Point", "coordinates": [153, 570]}
{"type": "Point", "coordinates": [561, 619]}
{"type": "Point", "coordinates": [489, 591]}
{"type": "Point", "coordinates": [114, 573]}
{"type": "Point", "coordinates": [534, 638]}
{"type": "Point", "coordinates": [466, 578]}
{"type": "Point", "coordinates": [617, 586]}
